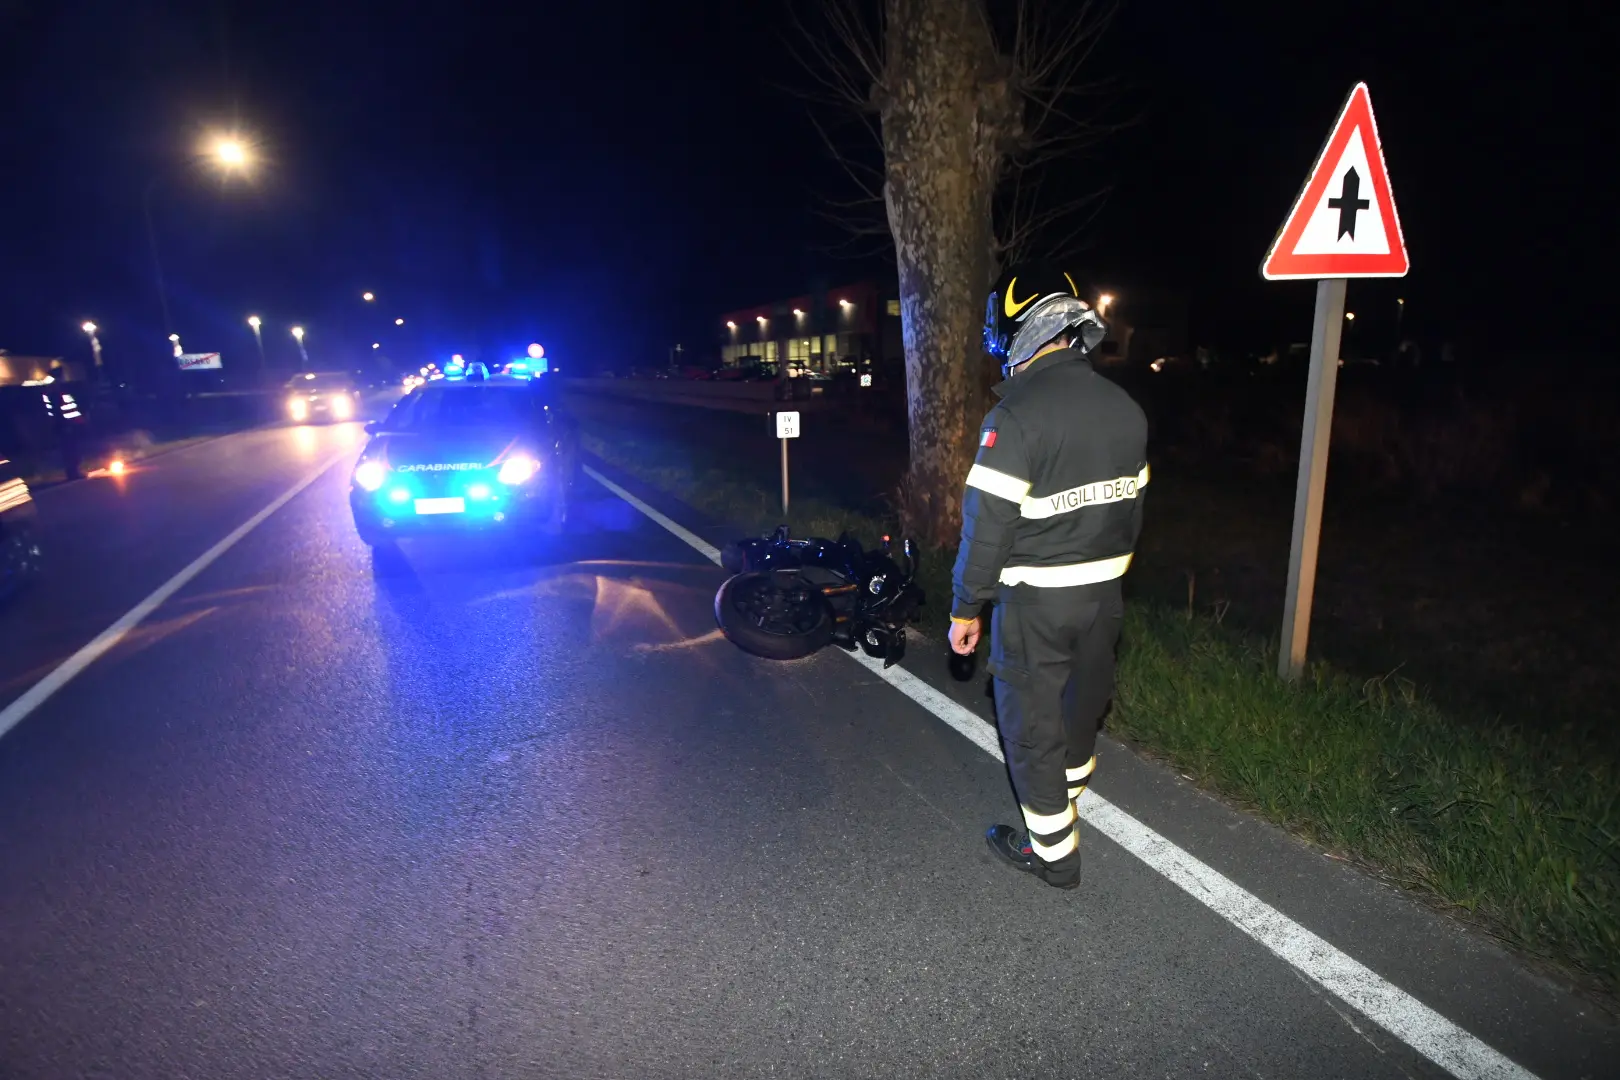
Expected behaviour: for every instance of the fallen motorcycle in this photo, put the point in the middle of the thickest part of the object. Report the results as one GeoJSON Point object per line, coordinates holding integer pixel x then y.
{"type": "Point", "coordinates": [786, 598]}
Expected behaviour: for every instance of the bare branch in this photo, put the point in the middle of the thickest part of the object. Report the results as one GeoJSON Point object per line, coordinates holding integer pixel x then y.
{"type": "Point", "coordinates": [846, 59]}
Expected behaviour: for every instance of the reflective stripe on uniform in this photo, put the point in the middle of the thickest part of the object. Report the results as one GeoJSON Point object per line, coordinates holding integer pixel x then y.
{"type": "Point", "coordinates": [1053, 852]}
{"type": "Point", "coordinates": [1059, 577]}
{"type": "Point", "coordinates": [1048, 823]}
{"type": "Point", "coordinates": [1100, 493]}
{"type": "Point", "coordinates": [1052, 836]}
{"type": "Point", "coordinates": [1077, 778]}
{"type": "Point", "coordinates": [997, 483]}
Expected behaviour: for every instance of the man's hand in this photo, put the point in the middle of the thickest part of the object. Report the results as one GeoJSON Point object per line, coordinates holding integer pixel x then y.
{"type": "Point", "coordinates": [965, 636]}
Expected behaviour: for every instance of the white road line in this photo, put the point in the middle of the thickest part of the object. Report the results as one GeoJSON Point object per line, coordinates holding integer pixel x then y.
{"type": "Point", "coordinates": [691, 539]}
{"type": "Point", "coordinates": [1387, 1005]}
{"type": "Point", "coordinates": [36, 695]}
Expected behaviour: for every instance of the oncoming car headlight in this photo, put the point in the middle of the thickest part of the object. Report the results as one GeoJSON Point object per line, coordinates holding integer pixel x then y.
{"type": "Point", "coordinates": [342, 407]}
{"type": "Point", "coordinates": [298, 408]}
{"type": "Point", "coordinates": [518, 469]}
{"type": "Point", "coordinates": [370, 475]}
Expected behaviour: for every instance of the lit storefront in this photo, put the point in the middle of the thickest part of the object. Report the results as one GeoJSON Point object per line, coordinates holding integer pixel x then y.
{"type": "Point", "coordinates": [855, 326]}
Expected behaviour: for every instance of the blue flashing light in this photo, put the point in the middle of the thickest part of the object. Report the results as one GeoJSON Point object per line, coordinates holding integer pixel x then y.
{"type": "Point", "coordinates": [398, 495]}
{"type": "Point", "coordinates": [478, 491]}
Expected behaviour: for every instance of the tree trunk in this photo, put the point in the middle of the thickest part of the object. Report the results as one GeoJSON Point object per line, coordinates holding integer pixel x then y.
{"type": "Point", "coordinates": [946, 108]}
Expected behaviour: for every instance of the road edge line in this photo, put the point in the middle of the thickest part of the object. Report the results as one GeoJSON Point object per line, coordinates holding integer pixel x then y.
{"type": "Point", "coordinates": [18, 710]}
{"type": "Point", "coordinates": [1420, 1027]}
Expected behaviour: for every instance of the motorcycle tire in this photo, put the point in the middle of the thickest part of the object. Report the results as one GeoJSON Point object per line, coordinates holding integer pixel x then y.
{"type": "Point", "coordinates": [800, 629]}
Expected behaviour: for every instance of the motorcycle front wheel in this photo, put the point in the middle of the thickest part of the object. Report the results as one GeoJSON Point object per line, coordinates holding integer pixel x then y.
{"type": "Point", "coordinates": [773, 615]}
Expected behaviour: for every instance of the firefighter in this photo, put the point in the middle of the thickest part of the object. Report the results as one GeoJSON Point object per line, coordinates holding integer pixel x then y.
{"type": "Point", "coordinates": [67, 421]}
{"type": "Point", "coordinates": [1050, 518]}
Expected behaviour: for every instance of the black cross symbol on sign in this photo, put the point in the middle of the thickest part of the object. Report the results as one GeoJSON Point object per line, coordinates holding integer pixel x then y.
{"type": "Point", "coordinates": [1348, 205]}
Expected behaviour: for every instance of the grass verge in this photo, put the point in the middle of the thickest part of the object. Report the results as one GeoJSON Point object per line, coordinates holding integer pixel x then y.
{"type": "Point", "coordinates": [1519, 830]}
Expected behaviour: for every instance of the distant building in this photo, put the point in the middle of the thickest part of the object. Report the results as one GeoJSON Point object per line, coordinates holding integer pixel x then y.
{"type": "Point", "coordinates": [27, 370]}
{"type": "Point", "coordinates": [852, 326]}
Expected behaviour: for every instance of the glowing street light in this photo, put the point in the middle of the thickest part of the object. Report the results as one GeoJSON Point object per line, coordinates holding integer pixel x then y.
{"type": "Point", "coordinates": [368, 297]}
{"type": "Point", "coordinates": [1103, 301]}
{"type": "Point", "coordinates": [231, 152]}
{"type": "Point", "coordinates": [760, 319]}
{"type": "Point", "coordinates": [846, 304]}
{"type": "Point", "coordinates": [376, 344]}
{"type": "Point", "coordinates": [95, 343]}
{"type": "Point", "coordinates": [399, 322]}
{"type": "Point", "coordinates": [298, 332]}
{"type": "Point", "coordinates": [258, 338]}
{"type": "Point", "coordinates": [730, 325]}
{"type": "Point", "coordinates": [798, 313]}
{"type": "Point", "coordinates": [1349, 316]}
{"type": "Point", "coordinates": [298, 336]}
{"type": "Point", "coordinates": [174, 339]}
{"type": "Point", "coordinates": [535, 351]}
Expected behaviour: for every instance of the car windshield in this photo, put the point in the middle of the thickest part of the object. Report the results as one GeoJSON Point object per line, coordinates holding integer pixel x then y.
{"type": "Point", "coordinates": [322, 380]}
{"type": "Point", "coordinates": [464, 406]}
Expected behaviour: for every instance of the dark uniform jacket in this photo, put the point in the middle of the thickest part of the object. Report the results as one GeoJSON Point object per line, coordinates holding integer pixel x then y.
{"type": "Point", "coordinates": [1054, 498]}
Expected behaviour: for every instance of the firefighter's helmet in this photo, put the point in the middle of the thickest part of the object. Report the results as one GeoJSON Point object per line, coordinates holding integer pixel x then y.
{"type": "Point", "coordinates": [1031, 306]}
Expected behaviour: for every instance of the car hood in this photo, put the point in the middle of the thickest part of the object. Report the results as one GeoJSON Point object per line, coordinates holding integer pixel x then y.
{"type": "Point", "coordinates": [436, 451]}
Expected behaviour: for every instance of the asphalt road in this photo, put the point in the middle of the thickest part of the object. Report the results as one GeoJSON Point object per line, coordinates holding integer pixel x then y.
{"type": "Point", "coordinates": [520, 812]}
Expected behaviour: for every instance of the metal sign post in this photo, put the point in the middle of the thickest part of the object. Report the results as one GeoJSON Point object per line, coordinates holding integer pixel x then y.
{"type": "Point", "coordinates": [787, 427]}
{"type": "Point", "coordinates": [1343, 225]}
{"type": "Point", "coordinates": [1312, 483]}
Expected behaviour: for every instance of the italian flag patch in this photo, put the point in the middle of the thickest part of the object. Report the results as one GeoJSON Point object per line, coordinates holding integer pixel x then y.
{"type": "Point", "coordinates": [987, 437]}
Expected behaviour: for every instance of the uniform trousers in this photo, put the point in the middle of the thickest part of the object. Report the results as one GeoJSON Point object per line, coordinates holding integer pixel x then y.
{"type": "Point", "coordinates": [1052, 655]}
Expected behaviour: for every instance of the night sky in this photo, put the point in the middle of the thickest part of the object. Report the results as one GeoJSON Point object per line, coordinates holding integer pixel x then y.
{"type": "Point", "coordinates": [607, 178]}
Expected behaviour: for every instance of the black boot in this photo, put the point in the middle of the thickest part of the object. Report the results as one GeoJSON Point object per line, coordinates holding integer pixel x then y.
{"type": "Point", "coordinates": [1012, 845]}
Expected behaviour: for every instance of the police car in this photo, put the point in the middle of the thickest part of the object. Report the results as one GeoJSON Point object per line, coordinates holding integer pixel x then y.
{"type": "Point", "coordinates": [468, 452]}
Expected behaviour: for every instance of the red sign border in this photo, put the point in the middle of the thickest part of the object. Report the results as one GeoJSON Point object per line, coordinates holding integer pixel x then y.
{"type": "Point", "coordinates": [1281, 264]}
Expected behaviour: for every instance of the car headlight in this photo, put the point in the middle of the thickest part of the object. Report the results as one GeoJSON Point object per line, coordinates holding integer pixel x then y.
{"type": "Point", "coordinates": [518, 469]}
{"type": "Point", "coordinates": [298, 408]}
{"type": "Point", "coordinates": [342, 408]}
{"type": "Point", "coordinates": [370, 475]}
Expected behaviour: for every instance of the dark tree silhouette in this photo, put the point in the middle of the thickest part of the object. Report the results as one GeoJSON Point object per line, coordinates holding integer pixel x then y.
{"type": "Point", "coordinates": [968, 111]}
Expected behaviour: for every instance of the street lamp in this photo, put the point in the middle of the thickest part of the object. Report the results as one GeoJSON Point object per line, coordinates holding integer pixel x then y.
{"type": "Point", "coordinates": [376, 344]}
{"type": "Point", "coordinates": [368, 297]}
{"type": "Point", "coordinates": [399, 322]}
{"type": "Point", "coordinates": [174, 339]}
{"type": "Point", "coordinates": [1349, 316]}
{"type": "Point", "coordinates": [298, 336]}
{"type": "Point", "coordinates": [231, 154]}
{"type": "Point", "coordinates": [1103, 301]}
{"type": "Point", "coordinates": [95, 344]}
{"type": "Point", "coordinates": [730, 325]}
{"type": "Point", "coordinates": [258, 338]}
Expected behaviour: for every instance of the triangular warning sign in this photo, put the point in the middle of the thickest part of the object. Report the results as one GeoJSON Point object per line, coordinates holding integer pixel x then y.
{"type": "Point", "coordinates": [1344, 223]}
